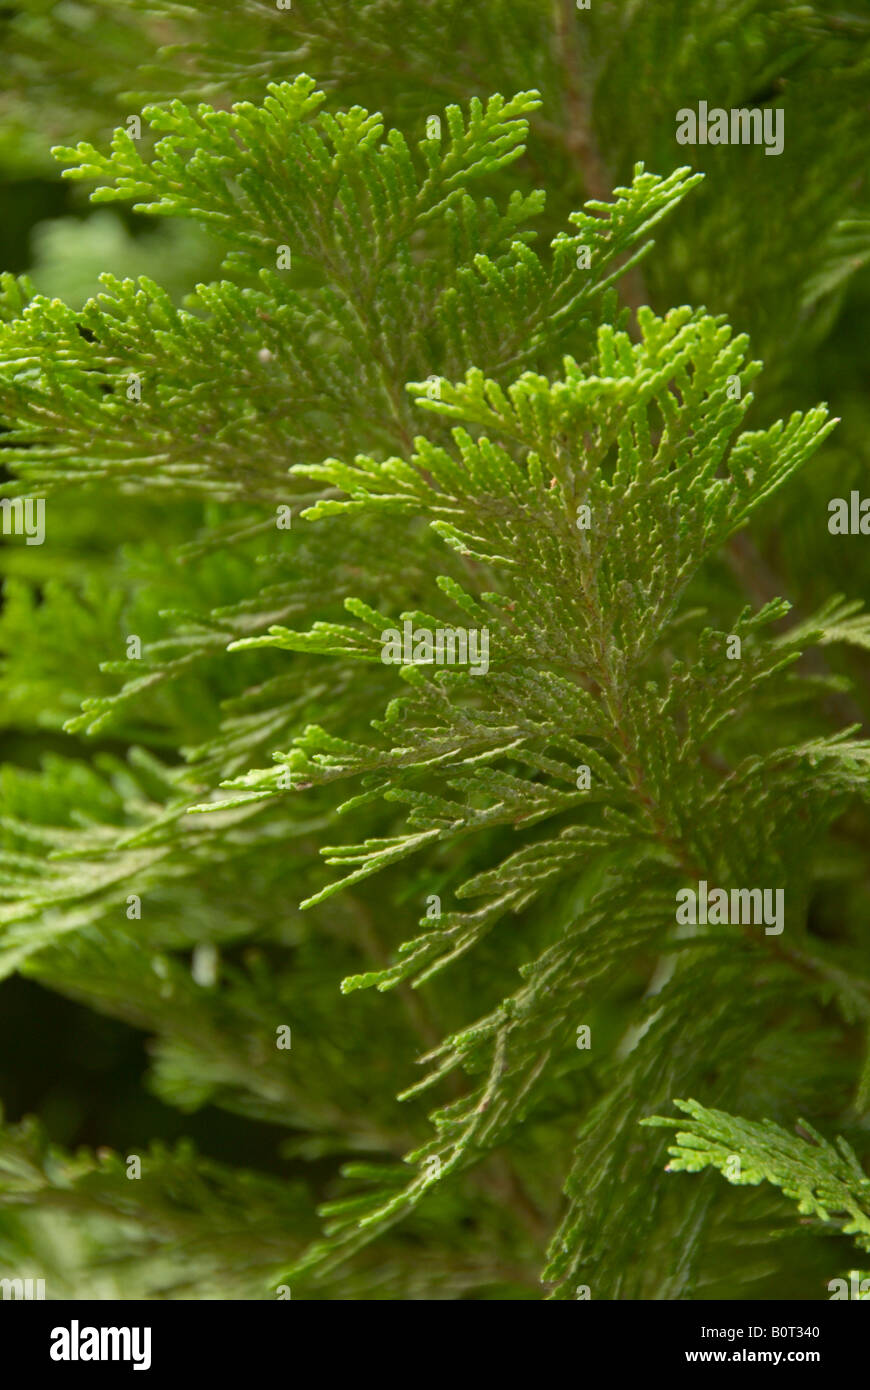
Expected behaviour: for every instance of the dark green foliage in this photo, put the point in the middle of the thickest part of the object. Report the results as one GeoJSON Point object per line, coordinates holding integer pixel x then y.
{"type": "Point", "coordinates": [486, 323]}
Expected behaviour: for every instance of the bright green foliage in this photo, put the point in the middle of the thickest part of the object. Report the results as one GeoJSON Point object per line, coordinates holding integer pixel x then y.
{"type": "Point", "coordinates": [827, 1182]}
{"type": "Point", "coordinates": [430, 388]}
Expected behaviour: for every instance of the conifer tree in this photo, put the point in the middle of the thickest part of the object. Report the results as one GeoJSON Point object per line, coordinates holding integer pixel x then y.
{"type": "Point", "coordinates": [436, 592]}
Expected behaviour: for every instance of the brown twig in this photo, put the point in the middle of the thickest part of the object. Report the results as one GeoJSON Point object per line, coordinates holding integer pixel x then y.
{"type": "Point", "coordinates": [578, 134]}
